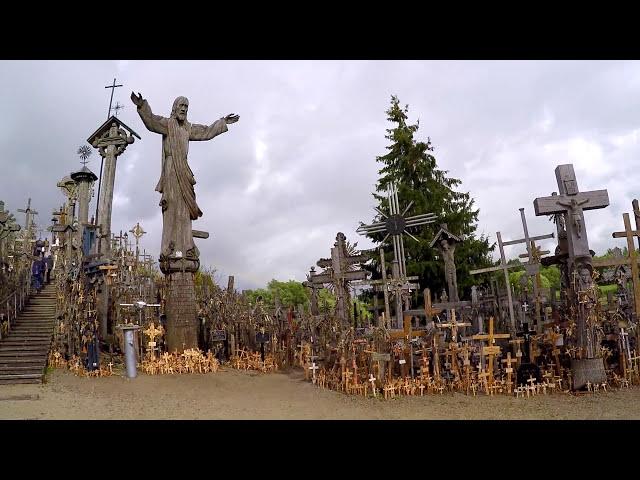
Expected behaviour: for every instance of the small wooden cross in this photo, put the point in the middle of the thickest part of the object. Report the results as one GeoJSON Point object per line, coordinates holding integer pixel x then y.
{"type": "Point", "coordinates": [313, 369]}
{"type": "Point", "coordinates": [491, 350]}
{"type": "Point", "coordinates": [509, 369]}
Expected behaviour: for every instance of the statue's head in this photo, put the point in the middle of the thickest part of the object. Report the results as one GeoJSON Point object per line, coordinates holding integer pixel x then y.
{"type": "Point", "coordinates": [585, 272]}
{"type": "Point", "coordinates": [180, 108]}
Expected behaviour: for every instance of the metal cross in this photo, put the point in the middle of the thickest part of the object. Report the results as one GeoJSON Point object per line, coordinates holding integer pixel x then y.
{"type": "Point", "coordinates": [395, 224]}
{"type": "Point", "coordinates": [117, 107]}
{"type": "Point", "coordinates": [112, 87]}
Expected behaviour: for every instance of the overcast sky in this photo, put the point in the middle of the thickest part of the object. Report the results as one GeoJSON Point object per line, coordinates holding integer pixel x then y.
{"type": "Point", "coordinates": [300, 164]}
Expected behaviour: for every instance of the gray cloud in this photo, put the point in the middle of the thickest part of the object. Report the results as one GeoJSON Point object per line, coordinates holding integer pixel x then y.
{"type": "Point", "coordinates": [300, 165]}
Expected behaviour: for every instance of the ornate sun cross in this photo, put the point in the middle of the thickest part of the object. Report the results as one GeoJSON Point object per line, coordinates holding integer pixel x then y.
{"type": "Point", "coordinates": [395, 224]}
{"type": "Point", "coordinates": [84, 152]}
{"type": "Point", "coordinates": [137, 231]}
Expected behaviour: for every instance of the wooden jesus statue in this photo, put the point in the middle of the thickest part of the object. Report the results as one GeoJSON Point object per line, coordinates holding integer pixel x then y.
{"type": "Point", "coordinates": [178, 202]}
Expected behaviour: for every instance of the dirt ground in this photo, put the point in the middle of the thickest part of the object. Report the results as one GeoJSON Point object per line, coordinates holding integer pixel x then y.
{"type": "Point", "coordinates": [231, 394]}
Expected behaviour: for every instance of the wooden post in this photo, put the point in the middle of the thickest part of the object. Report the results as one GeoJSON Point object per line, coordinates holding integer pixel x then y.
{"type": "Point", "coordinates": [633, 258]}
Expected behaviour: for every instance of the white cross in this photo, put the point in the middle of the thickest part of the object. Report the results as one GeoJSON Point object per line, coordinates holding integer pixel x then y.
{"type": "Point", "coordinates": [372, 379]}
{"type": "Point", "coordinates": [313, 369]}
{"type": "Point", "coordinates": [525, 307]}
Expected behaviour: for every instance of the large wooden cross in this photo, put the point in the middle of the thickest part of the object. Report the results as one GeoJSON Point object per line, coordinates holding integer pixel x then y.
{"type": "Point", "coordinates": [398, 285]}
{"type": "Point", "coordinates": [339, 271]}
{"type": "Point", "coordinates": [631, 260]}
{"type": "Point", "coordinates": [491, 350]}
{"type": "Point", "coordinates": [636, 214]}
{"type": "Point", "coordinates": [314, 290]}
{"type": "Point", "coordinates": [28, 216]}
{"type": "Point", "coordinates": [532, 267]}
{"type": "Point", "coordinates": [407, 334]}
{"type": "Point", "coordinates": [572, 203]}
{"type": "Point", "coordinates": [505, 268]}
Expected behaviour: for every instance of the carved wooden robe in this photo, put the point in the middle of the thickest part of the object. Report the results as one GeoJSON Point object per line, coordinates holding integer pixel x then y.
{"type": "Point", "coordinates": [176, 182]}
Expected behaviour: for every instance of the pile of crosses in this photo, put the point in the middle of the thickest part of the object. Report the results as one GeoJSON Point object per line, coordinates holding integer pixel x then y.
{"type": "Point", "coordinates": [249, 336]}
{"type": "Point", "coordinates": [76, 366]}
{"type": "Point", "coordinates": [191, 360]}
{"type": "Point", "coordinates": [244, 360]}
{"type": "Point", "coordinates": [566, 351]}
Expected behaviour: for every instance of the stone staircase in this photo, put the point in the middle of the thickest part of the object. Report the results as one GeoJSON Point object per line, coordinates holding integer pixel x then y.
{"type": "Point", "coordinates": [24, 352]}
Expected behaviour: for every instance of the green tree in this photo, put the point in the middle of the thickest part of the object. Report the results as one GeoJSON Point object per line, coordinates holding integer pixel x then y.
{"type": "Point", "coordinates": [290, 293]}
{"type": "Point", "coordinates": [552, 274]}
{"type": "Point", "coordinates": [411, 165]}
{"type": "Point", "coordinates": [514, 279]}
{"type": "Point", "coordinates": [610, 253]}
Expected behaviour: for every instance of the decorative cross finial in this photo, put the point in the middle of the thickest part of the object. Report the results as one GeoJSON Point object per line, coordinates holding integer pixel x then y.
{"type": "Point", "coordinates": [84, 152]}
{"type": "Point", "coordinates": [117, 107]}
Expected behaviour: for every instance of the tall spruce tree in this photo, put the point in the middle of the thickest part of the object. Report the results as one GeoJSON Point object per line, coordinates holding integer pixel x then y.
{"type": "Point", "coordinates": [412, 167]}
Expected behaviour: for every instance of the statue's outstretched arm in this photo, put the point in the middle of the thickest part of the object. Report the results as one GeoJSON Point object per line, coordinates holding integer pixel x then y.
{"type": "Point", "coordinates": [203, 132]}
{"type": "Point", "coordinates": [154, 123]}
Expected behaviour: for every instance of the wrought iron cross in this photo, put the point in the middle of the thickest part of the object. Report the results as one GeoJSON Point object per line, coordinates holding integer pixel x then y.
{"type": "Point", "coordinates": [395, 224]}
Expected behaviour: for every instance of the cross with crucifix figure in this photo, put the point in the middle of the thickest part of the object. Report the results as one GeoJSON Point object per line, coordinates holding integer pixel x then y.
{"type": "Point", "coordinates": [491, 350]}
{"type": "Point", "coordinates": [572, 203]}
{"type": "Point", "coordinates": [445, 243]}
{"type": "Point", "coordinates": [340, 270]}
